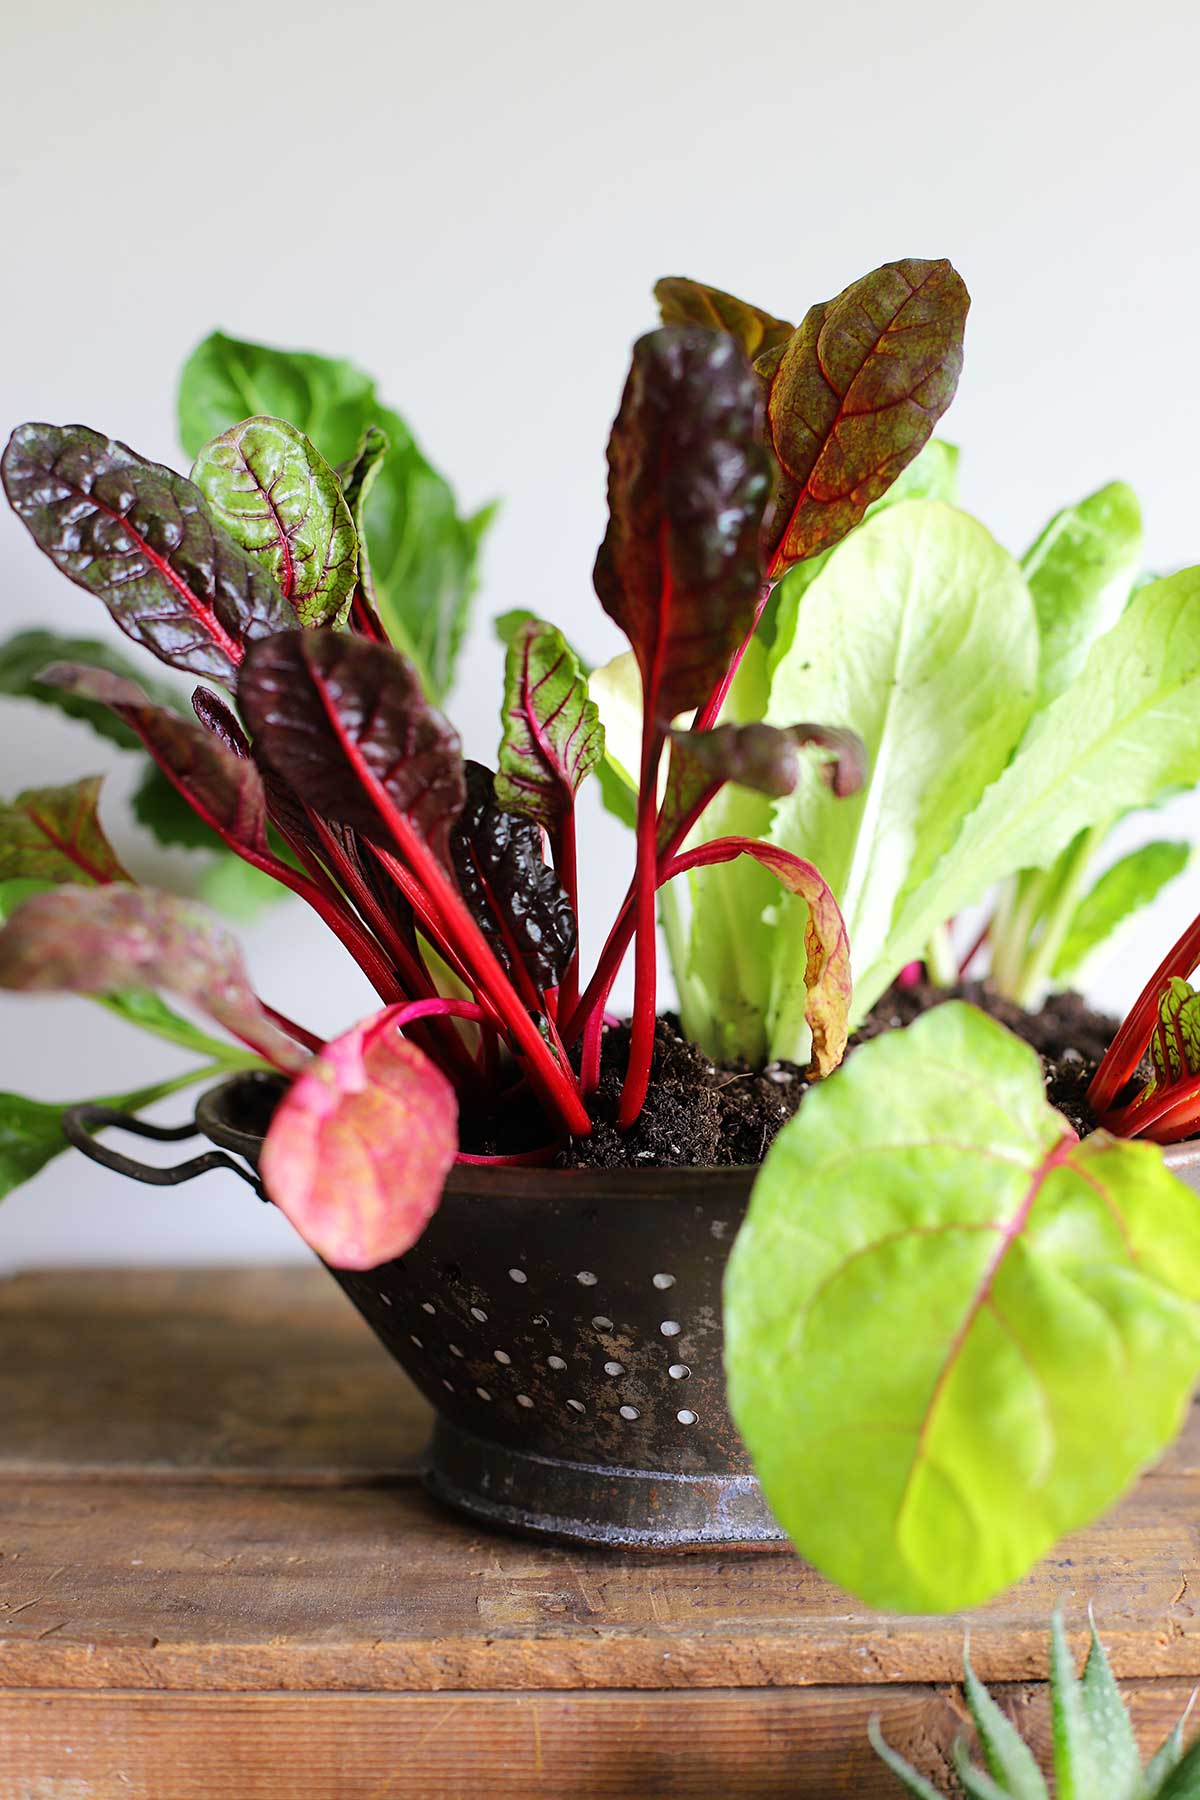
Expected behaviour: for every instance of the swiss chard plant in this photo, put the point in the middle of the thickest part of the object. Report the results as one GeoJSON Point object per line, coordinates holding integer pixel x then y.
{"type": "Point", "coordinates": [311, 577]}
{"type": "Point", "coordinates": [1013, 714]}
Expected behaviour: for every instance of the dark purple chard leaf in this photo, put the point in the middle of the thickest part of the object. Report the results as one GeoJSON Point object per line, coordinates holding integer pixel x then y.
{"type": "Point", "coordinates": [221, 720]}
{"type": "Point", "coordinates": [106, 940]}
{"type": "Point", "coordinates": [222, 787]}
{"type": "Point", "coordinates": [553, 737]}
{"type": "Point", "coordinates": [687, 482]}
{"type": "Point", "coordinates": [273, 492]}
{"type": "Point", "coordinates": [516, 898]}
{"type": "Point", "coordinates": [765, 758]}
{"type": "Point", "coordinates": [142, 539]}
{"type": "Point", "coordinates": [54, 834]}
{"type": "Point", "coordinates": [854, 396]}
{"type": "Point", "coordinates": [685, 302]}
{"type": "Point", "coordinates": [334, 715]}
{"type": "Point", "coordinates": [360, 1146]}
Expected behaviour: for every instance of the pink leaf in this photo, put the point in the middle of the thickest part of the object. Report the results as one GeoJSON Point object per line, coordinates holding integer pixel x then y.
{"type": "Point", "coordinates": [361, 1144]}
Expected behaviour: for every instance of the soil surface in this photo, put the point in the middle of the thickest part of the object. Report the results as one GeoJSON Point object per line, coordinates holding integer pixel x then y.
{"type": "Point", "coordinates": [698, 1112]}
{"type": "Point", "coordinates": [701, 1113]}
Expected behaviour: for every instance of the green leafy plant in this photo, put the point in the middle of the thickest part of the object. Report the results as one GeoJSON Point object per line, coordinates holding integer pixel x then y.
{"type": "Point", "coordinates": [314, 569]}
{"type": "Point", "coordinates": [1096, 1756]}
{"type": "Point", "coordinates": [1004, 746]}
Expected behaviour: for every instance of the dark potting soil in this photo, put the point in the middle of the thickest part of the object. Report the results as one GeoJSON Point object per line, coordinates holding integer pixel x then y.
{"type": "Point", "coordinates": [698, 1112]}
{"type": "Point", "coordinates": [702, 1113]}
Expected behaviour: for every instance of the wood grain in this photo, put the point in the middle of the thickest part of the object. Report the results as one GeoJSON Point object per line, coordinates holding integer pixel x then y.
{"type": "Point", "coordinates": [216, 1566]}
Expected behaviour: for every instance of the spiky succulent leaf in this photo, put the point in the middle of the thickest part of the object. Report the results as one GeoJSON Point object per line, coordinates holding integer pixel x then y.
{"type": "Point", "coordinates": [1006, 1753]}
{"type": "Point", "coordinates": [1114, 1746]}
{"type": "Point", "coordinates": [1078, 1774]}
{"type": "Point", "coordinates": [908, 1777]}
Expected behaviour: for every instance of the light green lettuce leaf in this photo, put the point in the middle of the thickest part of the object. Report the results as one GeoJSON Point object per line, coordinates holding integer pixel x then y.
{"type": "Point", "coordinates": [1124, 733]}
{"type": "Point", "coordinates": [920, 636]}
{"type": "Point", "coordinates": [1121, 891]}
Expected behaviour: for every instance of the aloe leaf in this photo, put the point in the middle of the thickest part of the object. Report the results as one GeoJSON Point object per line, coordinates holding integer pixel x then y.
{"type": "Point", "coordinates": [54, 834]}
{"type": "Point", "coordinates": [273, 492]}
{"type": "Point", "coordinates": [141, 539]}
{"type": "Point", "coordinates": [953, 1331]}
{"type": "Point", "coordinates": [552, 735]}
{"type": "Point", "coordinates": [854, 395]}
{"type": "Point", "coordinates": [24, 655]}
{"type": "Point", "coordinates": [1125, 732]}
{"type": "Point", "coordinates": [904, 1772]}
{"type": "Point", "coordinates": [975, 1783]}
{"type": "Point", "coordinates": [1008, 1756]}
{"type": "Point", "coordinates": [1168, 1757]}
{"type": "Point", "coordinates": [1114, 1747]}
{"type": "Point", "coordinates": [106, 940]}
{"type": "Point", "coordinates": [678, 569]}
{"type": "Point", "coordinates": [361, 1144]}
{"type": "Point", "coordinates": [1183, 1783]}
{"type": "Point", "coordinates": [1081, 572]}
{"type": "Point", "coordinates": [1078, 1775]}
{"type": "Point", "coordinates": [1124, 889]}
{"type": "Point", "coordinates": [920, 637]}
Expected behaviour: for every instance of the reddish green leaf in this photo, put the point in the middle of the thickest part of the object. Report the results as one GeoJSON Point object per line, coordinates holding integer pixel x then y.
{"type": "Point", "coordinates": [104, 940]}
{"type": "Point", "coordinates": [141, 538]}
{"type": "Point", "coordinates": [54, 834]}
{"type": "Point", "coordinates": [276, 496]}
{"type": "Point", "coordinates": [685, 302]}
{"type": "Point", "coordinates": [553, 737]}
{"type": "Point", "coordinates": [222, 788]}
{"type": "Point", "coordinates": [687, 482]}
{"type": "Point", "coordinates": [853, 397]}
{"type": "Point", "coordinates": [826, 971]}
{"type": "Point", "coordinates": [334, 715]}
{"type": "Point", "coordinates": [361, 1144]}
{"type": "Point", "coordinates": [765, 758]}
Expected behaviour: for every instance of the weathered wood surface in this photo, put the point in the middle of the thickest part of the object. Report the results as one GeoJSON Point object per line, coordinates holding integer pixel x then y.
{"type": "Point", "coordinates": [215, 1559]}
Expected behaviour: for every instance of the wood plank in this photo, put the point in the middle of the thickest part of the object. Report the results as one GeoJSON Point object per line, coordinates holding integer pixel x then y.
{"type": "Point", "coordinates": [799, 1745]}
{"type": "Point", "coordinates": [221, 1587]}
{"type": "Point", "coordinates": [210, 1373]}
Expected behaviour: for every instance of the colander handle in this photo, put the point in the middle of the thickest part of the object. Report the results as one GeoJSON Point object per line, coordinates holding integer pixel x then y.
{"type": "Point", "coordinates": [80, 1122]}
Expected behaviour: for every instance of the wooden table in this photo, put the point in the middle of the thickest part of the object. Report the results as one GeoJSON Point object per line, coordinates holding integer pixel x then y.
{"type": "Point", "coordinates": [220, 1580]}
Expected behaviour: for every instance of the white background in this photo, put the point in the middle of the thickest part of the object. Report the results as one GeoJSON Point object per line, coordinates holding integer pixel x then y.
{"type": "Point", "coordinates": [473, 201]}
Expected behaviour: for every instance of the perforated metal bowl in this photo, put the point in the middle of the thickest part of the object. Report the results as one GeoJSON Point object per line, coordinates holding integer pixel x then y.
{"type": "Point", "coordinates": [566, 1328]}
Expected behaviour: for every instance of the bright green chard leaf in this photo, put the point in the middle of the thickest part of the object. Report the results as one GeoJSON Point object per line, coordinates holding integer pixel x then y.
{"type": "Point", "coordinates": [24, 655]}
{"type": "Point", "coordinates": [1121, 891]}
{"type": "Point", "coordinates": [276, 496]}
{"type": "Point", "coordinates": [422, 555]}
{"type": "Point", "coordinates": [357, 477]}
{"type": "Point", "coordinates": [1125, 732]}
{"type": "Point", "coordinates": [1081, 572]}
{"type": "Point", "coordinates": [919, 636]}
{"type": "Point", "coordinates": [953, 1331]}
{"type": "Point", "coordinates": [615, 689]}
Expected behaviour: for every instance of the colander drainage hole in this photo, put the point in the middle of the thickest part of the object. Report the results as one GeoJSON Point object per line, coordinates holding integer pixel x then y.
{"type": "Point", "coordinates": [601, 1323]}
{"type": "Point", "coordinates": [614, 1368]}
{"type": "Point", "coordinates": [630, 1412]}
{"type": "Point", "coordinates": [663, 1281]}
{"type": "Point", "coordinates": [502, 1356]}
{"type": "Point", "coordinates": [524, 1400]}
{"type": "Point", "coordinates": [484, 1395]}
{"type": "Point", "coordinates": [477, 1313]}
{"type": "Point", "coordinates": [685, 1416]}
{"type": "Point", "coordinates": [585, 1278]}
{"type": "Point", "coordinates": [555, 1362]}
{"type": "Point", "coordinates": [518, 1275]}
{"type": "Point", "coordinates": [576, 1406]}
{"type": "Point", "coordinates": [670, 1328]}
{"type": "Point", "coordinates": [679, 1371]}
{"type": "Point", "coordinates": [426, 1306]}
